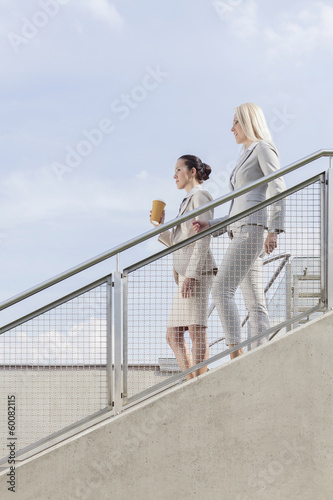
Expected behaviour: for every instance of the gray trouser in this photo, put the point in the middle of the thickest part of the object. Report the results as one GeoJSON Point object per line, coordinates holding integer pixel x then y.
{"type": "Point", "coordinates": [242, 266]}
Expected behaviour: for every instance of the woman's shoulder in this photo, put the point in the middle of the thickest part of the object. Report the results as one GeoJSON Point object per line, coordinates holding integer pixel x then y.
{"type": "Point", "coordinates": [202, 194]}
{"type": "Point", "coordinates": [265, 145]}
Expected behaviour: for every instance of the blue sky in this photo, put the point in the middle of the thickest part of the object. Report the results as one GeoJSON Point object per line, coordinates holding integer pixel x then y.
{"type": "Point", "coordinates": [129, 87]}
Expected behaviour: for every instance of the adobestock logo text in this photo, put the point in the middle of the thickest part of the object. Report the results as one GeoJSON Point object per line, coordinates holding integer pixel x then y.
{"type": "Point", "coordinates": [122, 107]}
{"type": "Point", "coordinates": [30, 28]}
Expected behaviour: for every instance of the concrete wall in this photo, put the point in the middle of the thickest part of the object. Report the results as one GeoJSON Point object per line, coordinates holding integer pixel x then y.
{"type": "Point", "coordinates": [48, 400]}
{"type": "Point", "coordinates": [259, 427]}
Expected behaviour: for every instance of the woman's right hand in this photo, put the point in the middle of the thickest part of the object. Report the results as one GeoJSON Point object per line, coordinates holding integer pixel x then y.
{"type": "Point", "coordinates": [198, 226]}
{"type": "Point", "coordinates": [162, 217]}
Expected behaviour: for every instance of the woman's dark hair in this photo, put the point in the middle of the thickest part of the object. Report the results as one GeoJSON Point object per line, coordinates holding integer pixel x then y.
{"type": "Point", "coordinates": [203, 170]}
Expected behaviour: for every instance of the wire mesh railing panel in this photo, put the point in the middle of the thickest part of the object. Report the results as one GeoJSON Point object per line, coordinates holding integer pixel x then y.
{"type": "Point", "coordinates": [299, 286]}
{"type": "Point", "coordinates": [55, 366]}
{"type": "Point", "coordinates": [149, 298]}
{"type": "Point", "coordinates": [289, 284]}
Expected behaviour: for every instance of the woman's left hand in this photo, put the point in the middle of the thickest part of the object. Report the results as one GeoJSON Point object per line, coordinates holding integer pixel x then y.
{"type": "Point", "coordinates": [271, 242]}
{"type": "Point", "coordinates": [198, 226]}
{"type": "Point", "coordinates": [188, 288]}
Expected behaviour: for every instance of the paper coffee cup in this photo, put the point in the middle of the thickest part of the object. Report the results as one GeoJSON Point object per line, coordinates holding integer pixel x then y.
{"type": "Point", "coordinates": [156, 212]}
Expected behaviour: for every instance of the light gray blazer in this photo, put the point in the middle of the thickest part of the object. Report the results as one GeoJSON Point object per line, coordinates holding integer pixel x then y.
{"type": "Point", "coordinates": [262, 160]}
{"type": "Point", "coordinates": [196, 259]}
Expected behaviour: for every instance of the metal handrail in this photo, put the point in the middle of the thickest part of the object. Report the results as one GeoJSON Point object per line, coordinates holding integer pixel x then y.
{"type": "Point", "coordinates": [168, 225]}
{"type": "Point", "coordinates": [52, 305]}
{"type": "Point", "coordinates": [120, 402]}
{"type": "Point", "coordinates": [181, 244]}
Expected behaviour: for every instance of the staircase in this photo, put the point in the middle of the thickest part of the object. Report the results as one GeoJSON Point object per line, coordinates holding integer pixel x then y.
{"type": "Point", "coordinates": [100, 412]}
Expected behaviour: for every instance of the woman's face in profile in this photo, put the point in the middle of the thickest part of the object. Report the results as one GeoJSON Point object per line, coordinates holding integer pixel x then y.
{"type": "Point", "coordinates": [182, 174]}
{"type": "Point", "coordinates": [237, 130]}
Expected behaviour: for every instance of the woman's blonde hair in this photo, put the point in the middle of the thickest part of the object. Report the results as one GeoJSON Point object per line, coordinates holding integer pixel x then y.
{"type": "Point", "coordinates": [253, 122]}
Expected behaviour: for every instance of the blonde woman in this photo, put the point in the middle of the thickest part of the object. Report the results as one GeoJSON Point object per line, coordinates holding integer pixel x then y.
{"type": "Point", "coordinates": [194, 266]}
{"type": "Point", "coordinates": [251, 236]}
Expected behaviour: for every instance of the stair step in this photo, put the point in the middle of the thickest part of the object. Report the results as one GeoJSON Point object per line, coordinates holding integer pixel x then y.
{"type": "Point", "coordinates": [308, 277]}
{"type": "Point", "coordinates": [302, 309]}
{"type": "Point", "coordinates": [309, 295]}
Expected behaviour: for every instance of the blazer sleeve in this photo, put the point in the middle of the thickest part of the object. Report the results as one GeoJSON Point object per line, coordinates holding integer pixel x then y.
{"type": "Point", "coordinates": [198, 259]}
{"type": "Point", "coordinates": [222, 230]}
{"type": "Point", "coordinates": [269, 162]}
{"type": "Point", "coordinates": [165, 238]}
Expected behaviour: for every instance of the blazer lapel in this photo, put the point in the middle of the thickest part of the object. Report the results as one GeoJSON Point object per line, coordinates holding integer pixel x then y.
{"type": "Point", "coordinates": [184, 206]}
{"type": "Point", "coordinates": [237, 167]}
{"type": "Point", "coordinates": [181, 211]}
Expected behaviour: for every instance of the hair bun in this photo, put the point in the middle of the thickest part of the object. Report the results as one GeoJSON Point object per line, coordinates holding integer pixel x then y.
{"type": "Point", "coordinates": [206, 170]}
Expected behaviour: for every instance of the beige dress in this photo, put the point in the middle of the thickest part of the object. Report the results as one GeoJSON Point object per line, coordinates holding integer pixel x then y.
{"type": "Point", "coordinates": [192, 310]}
{"type": "Point", "coordinates": [192, 261]}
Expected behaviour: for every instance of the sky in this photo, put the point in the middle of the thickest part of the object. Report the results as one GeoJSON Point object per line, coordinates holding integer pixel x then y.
{"type": "Point", "coordinates": [99, 99]}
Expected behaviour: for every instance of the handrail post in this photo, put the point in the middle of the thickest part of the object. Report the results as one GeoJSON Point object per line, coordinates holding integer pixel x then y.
{"type": "Point", "coordinates": [125, 338]}
{"type": "Point", "coordinates": [109, 348]}
{"type": "Point", "coordinates": [288, 294]}
{"type": "Point", "coordinates": [329, 240]}
{"type": "Point", "coordinates": [118, 325]}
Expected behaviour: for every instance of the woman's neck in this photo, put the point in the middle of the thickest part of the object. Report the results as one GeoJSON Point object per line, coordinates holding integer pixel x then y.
{"type": "Point", "coordinates": [247, 143]}
{"type": "Point", "coordinates": [190, 185]}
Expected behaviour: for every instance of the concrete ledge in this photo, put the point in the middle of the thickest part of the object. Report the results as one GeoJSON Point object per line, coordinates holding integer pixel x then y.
{"type": "Point", "coordinates": [259, 427]}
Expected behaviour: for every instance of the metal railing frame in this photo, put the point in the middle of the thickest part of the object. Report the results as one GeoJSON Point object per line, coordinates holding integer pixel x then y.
{"type": "Point", "coordinates": [216, 227]}
{"type": "Point", "coordinates": [117, 338]}
{"type": "Point", "coordinates": [106, 280]}
{"type": "Point", "coordinates": [154, 257]}
{"type": "Point", "coordinates": [117, 306]}
{"type": "Point", "coordinates": [168, 225]}
{"type": "Point", "coordinates": [327, 251]}
{"type": "Point", "coordinates": [319, 177]}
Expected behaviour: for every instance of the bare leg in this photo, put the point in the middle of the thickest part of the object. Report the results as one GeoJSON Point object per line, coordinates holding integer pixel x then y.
{"type": "Point", "coordinates": [175, 339]}
{"type": "Point", "coordinates": [237, 353]}
{"type": "Point", "coordinates": [200, 346]}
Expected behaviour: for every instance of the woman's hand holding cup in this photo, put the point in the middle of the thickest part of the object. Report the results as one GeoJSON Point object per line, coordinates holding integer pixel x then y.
{"type": "Point", "coordinates": [157, 213]}
{"type": "Point", "coordinates": [162, 219]}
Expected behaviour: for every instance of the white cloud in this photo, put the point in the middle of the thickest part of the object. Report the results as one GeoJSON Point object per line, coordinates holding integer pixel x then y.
{"type": "Point", "coordinates": [85, 343]}
{"type": "Point", "coordinates": [142, 175]}
{"type": "Point", "coordinates": [246, 19]}
{"type": "Point", "coordinates": [292, 39]}
{"type": "Point", "coordinates": [103, 9]}
{"type": "Point", "coordinates": [306, 32]}
{"type": "Point", "coordinates": [37, 195]}
{"type": "Point", "coordinates": [290, 33]}
{"type": "Point", "coordinates": [242, 18]}
{"type": "Point", "coordinates": [327, 23]}
{"type": "Point", "coordinates": [21, 18]}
